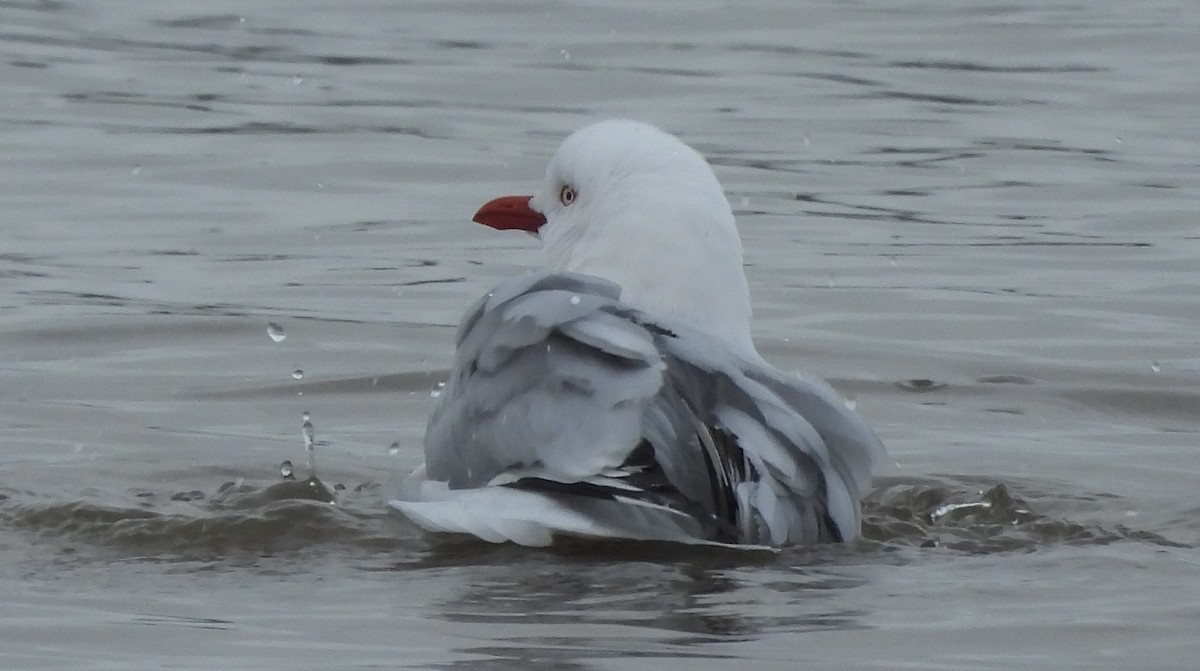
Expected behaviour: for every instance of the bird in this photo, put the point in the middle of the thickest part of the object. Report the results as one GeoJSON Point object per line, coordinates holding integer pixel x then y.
{"type": "Point", "coordinates": [616, 393]}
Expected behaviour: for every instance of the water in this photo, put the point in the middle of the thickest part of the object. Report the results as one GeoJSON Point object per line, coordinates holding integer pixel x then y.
{"type": "Point", "coordinates": [978, 221]}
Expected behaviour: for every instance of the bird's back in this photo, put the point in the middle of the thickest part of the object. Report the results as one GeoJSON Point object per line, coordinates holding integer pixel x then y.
{"type": "Point", "coordinates": [564, 397]}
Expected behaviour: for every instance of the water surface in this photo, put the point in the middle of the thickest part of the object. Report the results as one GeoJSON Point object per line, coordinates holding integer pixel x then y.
{"type": "Point", "coordinates": [978, 221]}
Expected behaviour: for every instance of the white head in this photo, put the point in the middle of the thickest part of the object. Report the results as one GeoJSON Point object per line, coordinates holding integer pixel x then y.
{"type": "Point", "coordinates": [624, 201]}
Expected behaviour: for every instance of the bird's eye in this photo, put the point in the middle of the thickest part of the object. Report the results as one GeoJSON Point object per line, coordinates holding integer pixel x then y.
{"type": "Point", "coordinates": [566, 195]}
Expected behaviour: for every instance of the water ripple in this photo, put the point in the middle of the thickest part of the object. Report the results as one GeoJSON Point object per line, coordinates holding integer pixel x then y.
{"type": "Point", "coordinates": [964, 515]}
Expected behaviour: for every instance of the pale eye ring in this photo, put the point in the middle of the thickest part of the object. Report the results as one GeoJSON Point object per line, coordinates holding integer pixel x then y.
{"type": "Point", "coordinates": [566, 195]}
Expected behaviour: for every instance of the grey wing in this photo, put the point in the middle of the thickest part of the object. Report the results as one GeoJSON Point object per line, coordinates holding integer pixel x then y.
{"type": "Point", "coordinates": [559, 388]}
{"type": "Point", "coordinates": [549, 374]}
{"type": "Point", "coordinates": [855, 451]}
{"type": "Point", "coordinates": [787, 461]}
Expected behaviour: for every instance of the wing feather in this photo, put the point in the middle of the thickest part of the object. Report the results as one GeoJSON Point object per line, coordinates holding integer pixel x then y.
{"type": "Point", "coordinates": [567, 411]}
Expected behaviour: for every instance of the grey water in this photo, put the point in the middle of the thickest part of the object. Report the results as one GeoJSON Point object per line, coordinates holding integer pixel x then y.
{"type": "Point", "coordinates": [223, 221]}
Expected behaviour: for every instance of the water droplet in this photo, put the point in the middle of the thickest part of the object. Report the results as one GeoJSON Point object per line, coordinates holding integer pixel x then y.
{"type": "Point", "coordinates": [565, 54]}
{"type": "Point", "coordinates": [297, 80]}
{"type": "Point", "coordinates": [394, 448]}
{"type": "Point", "coordinates": [1155, 367]}
{"type": "Point", "coordinates": [285, 469]}
{"type": "Point", "coordinates": [574, 300]}
{"type": "Point", "coordinates": [852, 403]}
{"type": "Point", "coordinates": [275, 331]}
{"type": "Point", "coordinates": [304, 416]}
{"type": "Point", "coordinates": [137, 170]}
{"type": "Point", "coordinates": [892, 260]}
{"type": "Point", "coordinates": [310, 441]}
{"type": "Point", "coordinates": [437, 389]}
{"type": "Point", "coordinates": [297, 374]}
{"type": "Point", "coordinates": [947, 508]}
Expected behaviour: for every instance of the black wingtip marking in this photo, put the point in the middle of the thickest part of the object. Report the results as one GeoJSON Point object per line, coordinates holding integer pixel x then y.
{"type": "Point", "coordinates": [588, 489]}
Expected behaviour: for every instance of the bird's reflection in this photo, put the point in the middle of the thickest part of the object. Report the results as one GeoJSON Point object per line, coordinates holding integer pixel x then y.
{"type": "Point", "coordinates": [558, 609]}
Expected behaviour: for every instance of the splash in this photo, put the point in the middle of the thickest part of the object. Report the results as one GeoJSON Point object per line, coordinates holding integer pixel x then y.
{"type": "Point", "coordinates": [976, 516]}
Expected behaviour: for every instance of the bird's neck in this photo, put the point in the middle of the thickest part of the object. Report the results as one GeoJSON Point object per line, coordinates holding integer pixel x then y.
{"type": "Point", "coordinates": [694, 279]}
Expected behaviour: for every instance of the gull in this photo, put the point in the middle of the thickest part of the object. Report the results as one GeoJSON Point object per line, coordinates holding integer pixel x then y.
{"type": "Point", "coordinates": [617, 393]}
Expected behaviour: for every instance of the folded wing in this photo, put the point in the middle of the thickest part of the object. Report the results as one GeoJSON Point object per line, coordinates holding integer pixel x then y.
{"type": "Point", "coordinates": [567, 412]}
